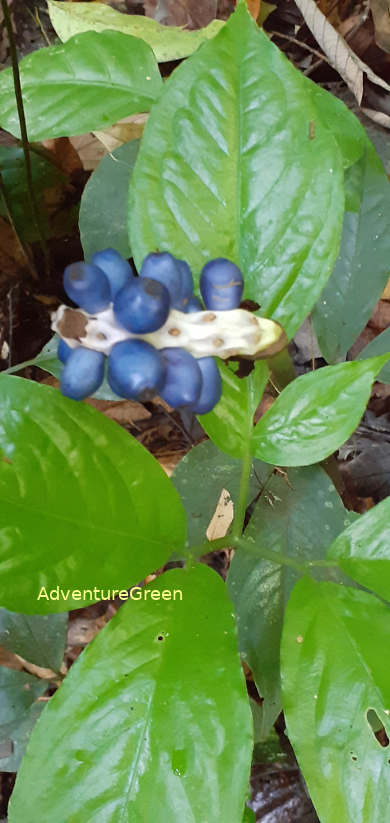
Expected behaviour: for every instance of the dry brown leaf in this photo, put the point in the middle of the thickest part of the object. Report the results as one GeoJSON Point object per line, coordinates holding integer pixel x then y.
{"type": "Point", "coordinates": [254, 8]}
{"type": "Point", "coordinates": [381, 15]}
{"type": "Point", "coordinates": [90, 150]}
{"type": "Point", "coordinates": [130, 128]}
{"type": "Point", "coordinates": [343, 59]}
{"type": "Point", "coordinates": [386, 293]}
{"type": "Point", "coordinates": [38, 671]}
{"type": "Point", "coordinates": [10, 660]}
{"type": "Point", "coordinates": [221, 518]}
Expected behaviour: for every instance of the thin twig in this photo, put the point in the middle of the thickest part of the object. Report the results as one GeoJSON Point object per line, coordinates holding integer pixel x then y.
{"type": "Point", "coordinates": [23, 133]}
{"type": "Point", "coordinates": [298, 43]}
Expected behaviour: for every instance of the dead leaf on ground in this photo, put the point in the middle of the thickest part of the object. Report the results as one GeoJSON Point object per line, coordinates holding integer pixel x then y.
{"type": "Point", "coordinates": [381, 16]}
{"type": "Point", "coordinates": [359, 77]}
{"type": "Point", "coordinates": [182, 12]}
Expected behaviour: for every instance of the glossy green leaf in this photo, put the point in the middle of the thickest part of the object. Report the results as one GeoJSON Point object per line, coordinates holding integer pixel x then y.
{"type": "Point", "coordinates": [88, 83]}
{"type": "Point", "coordinates": [48, 361]}
{"type": "Point", "coordinates": [103, 207]}
{"type": "Point", "coordinates": [347, 130]}
{"type": "Point", "coordinates": [379, 345]}
{"type": "Point", "coordinates": [227, 168]}
{"type": "Point", "coordinates": [362, 268]}
{"type": "Point", "coordinates": [315, 414]}
{"type": "Point", "coordinates": [14, 736]}
{"type": "Point", "coordinates": [363, 550]}
{"type": "Point", "coordinates": [82, 503]}
{"type": "Point", "coordinates": [297, 515]}
{"type": "Point", "coordinates": [334, 671]}
{"type": "Point", "coordinates": [230, 424]}
{"type": "Point", "coordinates": [249, 816]}
{"type": "Point", "coordinates": [167, 42]}
{"type": "Point", "coordinates": [40, 639]}
{"type": "Point", "coordinates": [201, 476]}
{"type": "Point", "coordinates": [152, 722]}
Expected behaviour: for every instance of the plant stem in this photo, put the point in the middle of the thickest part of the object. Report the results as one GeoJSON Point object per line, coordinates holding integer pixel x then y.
{"type": "Point", "coordinates": [24, 249]}
{"type": "Point", "coordinates": [282, 369]}
{"type": "Point", "coordinates": [239, 518]}
{"type": "Point", "coordinates": [24, 137]}
{"type": "Point", "coordinates": [20, 366]}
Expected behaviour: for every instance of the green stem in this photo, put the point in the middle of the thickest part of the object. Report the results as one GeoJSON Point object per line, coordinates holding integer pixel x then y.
{"type": "Point", "coordinates": [23, 133]}
{"type": "Point", "coordinates": [199, 549]}
{"type": "Point", "coordinates": [239, 517]}
{"type": "Point", "coordinates": [20, 366]}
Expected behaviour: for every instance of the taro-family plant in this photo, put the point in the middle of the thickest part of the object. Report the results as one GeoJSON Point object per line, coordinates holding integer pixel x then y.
{"type": "Point", "coordinates": [245, 159]}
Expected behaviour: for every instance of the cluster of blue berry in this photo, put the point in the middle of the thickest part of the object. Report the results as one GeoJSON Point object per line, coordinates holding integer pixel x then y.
{"type": "Point", "coordinates": [141, 305]}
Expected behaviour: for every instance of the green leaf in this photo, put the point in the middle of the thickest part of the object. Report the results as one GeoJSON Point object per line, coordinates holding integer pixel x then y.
{"type": "Point", "coordinates": [167, 42]}
{"type": "Point", "coordinates": [362, 268]}
{"type": "Point", "coordinates": [14, 736]}
{"type": "Point", "coordinates": [363, 550]}
{"type": "Point", "coordinates": [18, 691]}
{"type": "Point", "coordinates": [349, 133]}
{"type": "Point", "coordinates": [152, 722]}
{"type": "Point", "coordinates": [315, 414]}
{"type": "Point", "coordinates": [82, 503]}
{"type": "Point", "coordinates": [227, 168]}
{"type": "Point", "coordinates": [249, 816]}
{"type": "Point", "coordinates": [47, 180]}
{"type": "Point", "coordinates": [103, 207]}
{"type": "Point", "coordinates": [40, 639]}
{"type": "Point", "coordinates": [379, 345]}
{"type": "Point", "coordinates": [334, 671]}
{"type": "Point", "coordinates": [48, 361]}
{"type": "Point", "coordinates": [201, 476]}
{"type": "Point", "coordinates": [230, 424]}
{"type": "Point", "coordinates": [297, 515]}
{"type": "Point", "coordinates": [88, 83]}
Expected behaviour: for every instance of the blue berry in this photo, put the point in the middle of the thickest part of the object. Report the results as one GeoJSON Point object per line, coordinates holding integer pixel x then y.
{"type": "Point", "coordinates": [211, 386]}
{"type": "Point", "coordinates": [221, 285]}
{"type": "Point", "coordinates": [183, 380]}
{"type": "Point", "coordinates": [87, 286]}
{"type": "Point", "coordinates": [82, 374]}
{"type": "Point", "coordinates": [193, 305]}
{"type": "Point", "coordinates": [135, 369]}
{"type": "Point", "coordinates": [142, 306]}
{"type": "Point", "coordinates": [64, 351]}
{"type": "Point", "coordinates": [163, 267]}
{"type": "Point", "coordinates": [115, 267]}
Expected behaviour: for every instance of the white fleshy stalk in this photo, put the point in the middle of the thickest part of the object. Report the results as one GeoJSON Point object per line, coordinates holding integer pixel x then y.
{"type": "Point", "coordinates": [219, 333]}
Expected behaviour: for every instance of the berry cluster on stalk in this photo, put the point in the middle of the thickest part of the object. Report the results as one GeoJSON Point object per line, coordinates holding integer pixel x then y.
{"type": "Point", "coordinates": [141, 305]}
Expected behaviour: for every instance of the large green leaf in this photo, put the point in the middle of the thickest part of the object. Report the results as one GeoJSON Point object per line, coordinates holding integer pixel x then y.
{"type": "Point", "coordinates": [346, 128]}
{"type": "Point", "coordinates": [152, 723]}
{"type": "Point", "coordinates": [363, 550]}
{"type": "Point", "coordinates": [201, 476]}
{"type": "Point", "coordinates": [297, 515]}
{"type": "Point", "coordinates": [82, 503]}
{"type": "Point", "coordinates": [379, 345]}
{"type": "Point", "coordinates": [18, 691]}
{"type": "Point", "coordinates": [230, 424]}
{"type": "Point", "coordinates": [40, 639]}
{"type": "Point", "coordinates": [227, 168]}
{"type": "Point", "coordinates": [167, 42]}
{"type": "Point", "coordinates": [334, 671]}
{"type": "Point", "coordinates": [315, 414]}
{"type": "Point", "coordinates": [362, 268]}
{"type": "Point", "coordinates": [88, 83]}
{"type": "Point", "coordinates": [103, 207]}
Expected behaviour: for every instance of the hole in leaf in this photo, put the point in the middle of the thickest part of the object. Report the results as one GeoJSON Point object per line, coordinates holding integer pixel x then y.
{"type": "Point", "coordinates": [377, 728]}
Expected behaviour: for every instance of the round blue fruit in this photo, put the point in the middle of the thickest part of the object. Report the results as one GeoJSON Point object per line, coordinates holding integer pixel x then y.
{"type": "Point", "coordinates": [211, 386]}
{"type": "Point", "coordinates": [87, 286]}
{"type": "Point", "coordinates": [142, 306]}
{"type": "Point", "coordinates": [163, 267]}
{"type": "Point", "coordinates": [221, 285]}
{"type": "Point", "coordinates": [135, 369]}
{"type": "Point", "coordinates": [63, 351]}
{"type": "Point", "coordinates": [82, 374]}
{"type": "Point", "coordinates": [193, 305]}
{"type": "Point", "coordinates": [183, 381]}
{"type": "Point", "coordinates": [115, 267]}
